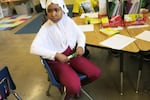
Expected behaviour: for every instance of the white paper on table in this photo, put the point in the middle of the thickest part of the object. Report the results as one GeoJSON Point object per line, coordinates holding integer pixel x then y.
{"type": "Point", "coordinates": [138, 26]}
{"type": "Point", "coordinates": [117, 28]}
{"type": "Point", "coordinates": [117, 41]}
{"type": "Point", "coordinates": [144, 36]}
{"type": "Point", "coordinates": [87, 28]}
{"type": "Point", "coordinates": [90, 15]}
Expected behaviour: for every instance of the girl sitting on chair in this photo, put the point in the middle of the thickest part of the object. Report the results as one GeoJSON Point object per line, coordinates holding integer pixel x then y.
{"type": "Point", "coordinates": [56, 40]}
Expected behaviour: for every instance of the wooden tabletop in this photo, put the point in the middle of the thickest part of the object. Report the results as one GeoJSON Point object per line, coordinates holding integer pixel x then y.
{"type": "Point", "coordinates": [94, 38]}
{"type": "Point", "coordinates": [141, 44]}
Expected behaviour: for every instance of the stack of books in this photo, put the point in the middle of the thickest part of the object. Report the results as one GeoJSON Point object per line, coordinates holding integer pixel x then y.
{"type": "Point", "coordinates": [134, 19]}
{"type": "Point", "coordinates": [114, 21]}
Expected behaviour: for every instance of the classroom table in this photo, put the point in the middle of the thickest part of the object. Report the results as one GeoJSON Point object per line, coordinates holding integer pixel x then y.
{"type": "Point", "coordinates": [144, 47]}
{"type": "Point", "coordinates": [95, 37]}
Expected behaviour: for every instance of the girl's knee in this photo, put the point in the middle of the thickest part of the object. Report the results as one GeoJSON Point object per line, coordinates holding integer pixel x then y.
{"type": "Point", "coordinates": [74, 88]}
{"type": "Point", "coordinates": [95, 74]}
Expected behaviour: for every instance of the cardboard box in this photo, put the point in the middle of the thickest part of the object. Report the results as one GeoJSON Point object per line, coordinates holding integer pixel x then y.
{"type": "Point", "coordinates": [23, 9]}
{"type": "Point", "coordinates": [7, 11]}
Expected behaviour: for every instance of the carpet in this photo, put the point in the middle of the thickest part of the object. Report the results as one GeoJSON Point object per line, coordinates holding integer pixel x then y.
{"type": "Point", "coordinates": [32, 27]}
{"type": "Point", "coordinates": [10, 22]}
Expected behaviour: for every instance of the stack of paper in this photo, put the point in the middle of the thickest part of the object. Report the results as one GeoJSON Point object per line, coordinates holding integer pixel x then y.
{"type": "Point", "coordinates": [90, 15]}
{"type": "Point", "coordinates": [109, 31]}
{"type": "Point", "coordinates": [86, 28]}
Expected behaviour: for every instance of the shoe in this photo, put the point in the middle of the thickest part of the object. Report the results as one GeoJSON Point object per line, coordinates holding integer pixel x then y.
{"type": "Point", "coordinates": [78, 95]}
{"type": "Point", "coordinates": [146, 57]}
{"type": "Point", "coordinates": [68, 97]}
{"type": "Point", "coordinates": [61, 89]}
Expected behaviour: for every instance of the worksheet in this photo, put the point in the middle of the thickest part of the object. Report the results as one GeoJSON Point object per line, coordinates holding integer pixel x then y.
{"type": "Point", "coordinates": [144, 36]}
{"type": "Point", "coordinates": [117, 41]}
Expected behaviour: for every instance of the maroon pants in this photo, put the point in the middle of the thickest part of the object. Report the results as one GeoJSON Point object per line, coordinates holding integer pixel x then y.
{"type": "Point", "coordinates": [67, 75]}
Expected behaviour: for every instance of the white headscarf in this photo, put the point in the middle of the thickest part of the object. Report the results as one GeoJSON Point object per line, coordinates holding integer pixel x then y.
{"type": "Point", "coordinates": [43, 3]}
{"type": "Point", "coordinates": [59, 2]}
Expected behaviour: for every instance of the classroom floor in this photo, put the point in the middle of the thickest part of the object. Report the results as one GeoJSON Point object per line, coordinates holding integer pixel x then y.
{"type": "Point", "coordinates": [31, 78]}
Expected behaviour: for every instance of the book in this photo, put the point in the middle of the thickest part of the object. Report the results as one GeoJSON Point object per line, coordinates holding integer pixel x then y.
{"type": "Point", "coordinates": [115, 8]}
{"type": "Point", "coordinates": [105, 21]}
{"type": "Point", "coordinates": [102, 7]}
{"type": "Point", "coordinates": [128, 5]}
{"type": "Point", "coordinates": [135, 7]}
{"type": "Point", "coordinates": [109, 31]}
{"type": "Point", "coordinates": [112, 7]}
{"type": "Point", "coordinates": [134, 19]}
{"type": "Point", "coordinates": [92, 20]}
{"type": "Point", "coordinates": [116, 21]}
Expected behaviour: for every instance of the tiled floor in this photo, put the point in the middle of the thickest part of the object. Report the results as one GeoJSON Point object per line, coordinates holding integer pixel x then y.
{"type": "Point", "coordinates": [31, 79]}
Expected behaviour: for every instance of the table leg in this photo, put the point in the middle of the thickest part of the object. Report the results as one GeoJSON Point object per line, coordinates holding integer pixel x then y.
{"type": "Point", "coordinates": [121, 73]}
{"type": "Point", "coordinates": [139, 73]}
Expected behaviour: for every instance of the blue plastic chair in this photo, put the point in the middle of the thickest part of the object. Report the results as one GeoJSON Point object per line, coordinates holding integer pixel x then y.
{"type": "Point", "coordinates": [55, 82]}
{"type": "Point", "coordinates": [7, 86]}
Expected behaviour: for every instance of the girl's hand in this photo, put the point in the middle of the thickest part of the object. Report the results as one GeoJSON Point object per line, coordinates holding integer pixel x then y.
{"type": "Point", "coordinates": [79, 51]}
{"type": "Point", "coordinates": [61, 57]}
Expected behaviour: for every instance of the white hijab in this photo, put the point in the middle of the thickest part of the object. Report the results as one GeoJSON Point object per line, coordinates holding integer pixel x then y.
{"type": "Point", "coordinates": [61, 3]}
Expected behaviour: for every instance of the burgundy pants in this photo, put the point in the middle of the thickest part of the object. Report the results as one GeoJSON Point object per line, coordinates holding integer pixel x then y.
{"type": "Point", "coordinates": [67, 75]}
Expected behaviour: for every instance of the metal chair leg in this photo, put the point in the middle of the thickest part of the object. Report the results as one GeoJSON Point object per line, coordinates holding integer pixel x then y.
{"type": "Point", "coordinates": [87, 94]}
{"type": "Point", "coordinates": [16, 95]}
{"type": "Point", "coordinates": [48, 90]}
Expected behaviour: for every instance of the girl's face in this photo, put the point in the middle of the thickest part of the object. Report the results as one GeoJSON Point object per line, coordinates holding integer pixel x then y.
{"type": "Point", "coordinates": [54, 12]}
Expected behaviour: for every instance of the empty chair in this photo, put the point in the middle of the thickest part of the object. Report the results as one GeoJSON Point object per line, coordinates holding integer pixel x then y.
{"type": "Point", "coordinates": [55, 82]}
{"type": "Point", "coordinates": [7, 86]}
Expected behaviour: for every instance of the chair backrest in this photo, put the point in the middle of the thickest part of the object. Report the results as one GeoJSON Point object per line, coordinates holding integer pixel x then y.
{"type": "Point", "coordinates": [7, 86]}
{"type": "Point", "coordinates": [6, 83]}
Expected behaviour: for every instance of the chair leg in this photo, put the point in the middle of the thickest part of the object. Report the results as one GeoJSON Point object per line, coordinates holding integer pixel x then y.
{"type": "Point", "coordinates": [87, 94]}
{"type": "Point", "coordinates": [61, 89]}
{"type": "Point", "coordinates": [16, 95]}
{"type": "Point", "coordinates": [48, 90]}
